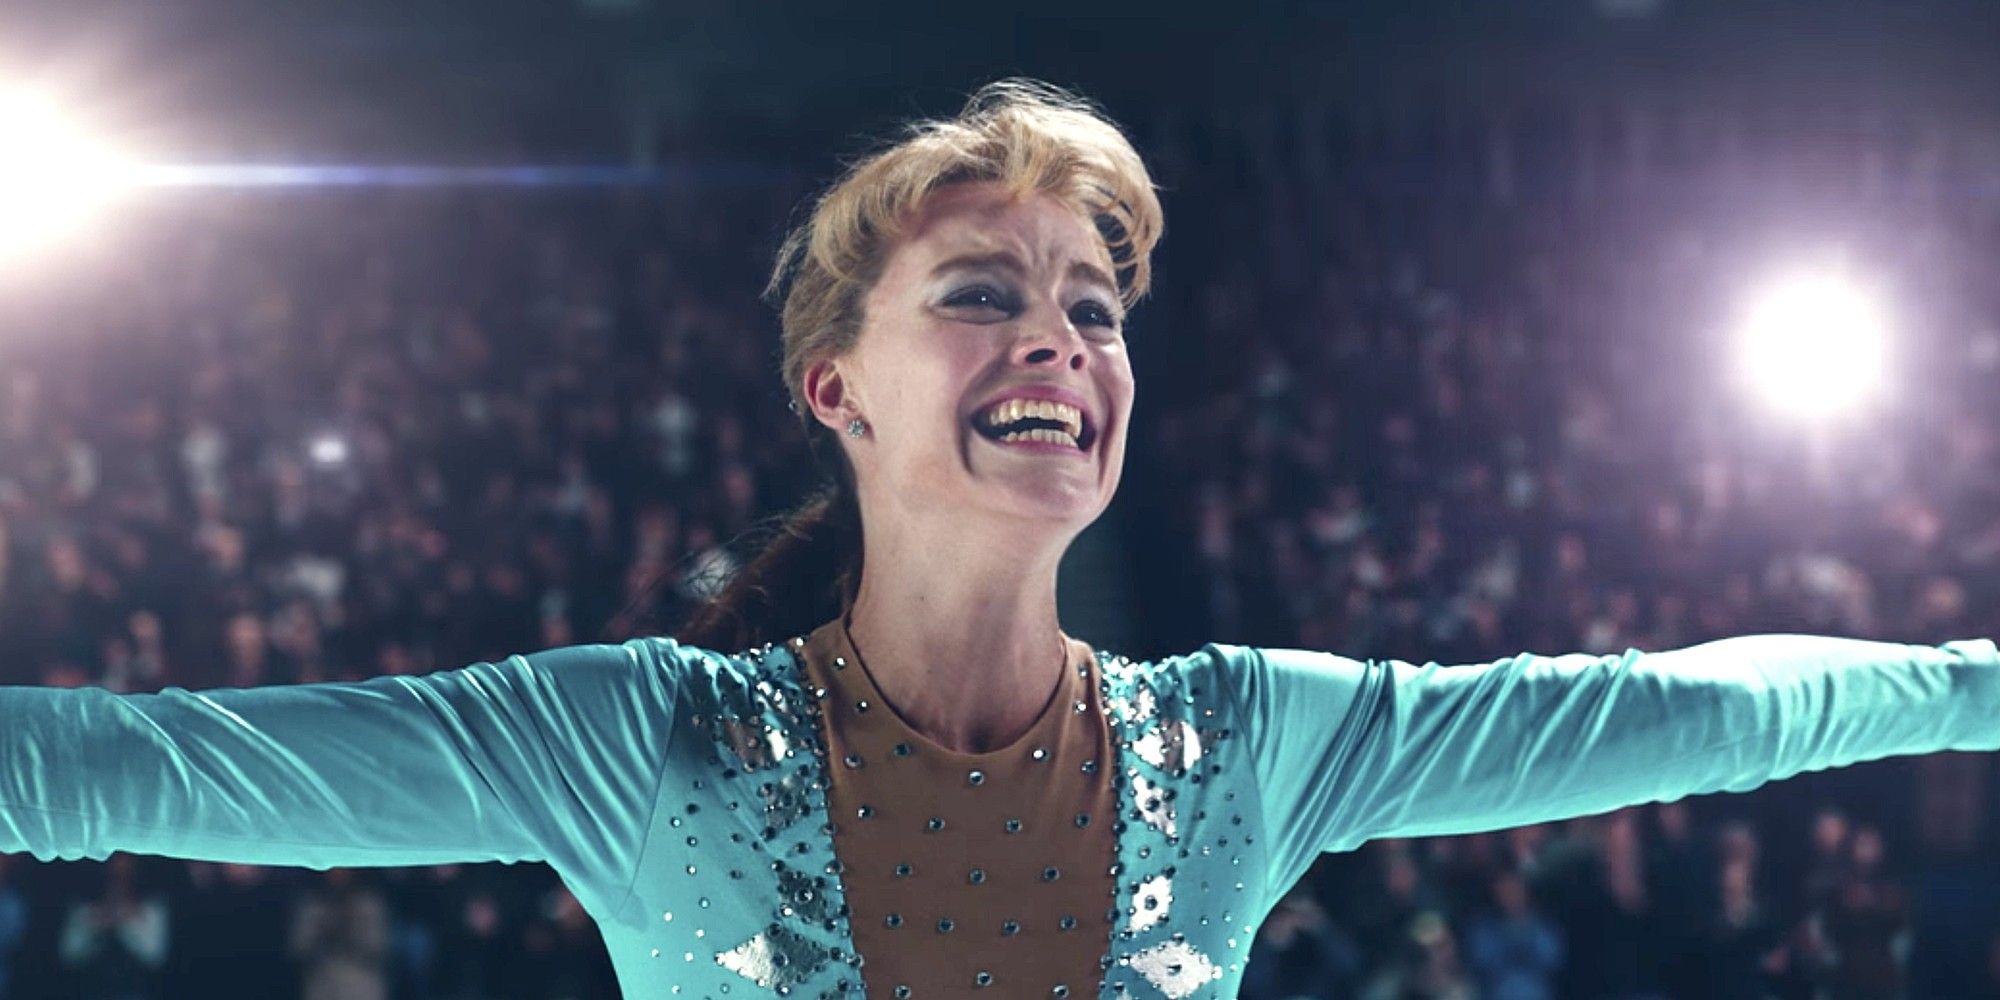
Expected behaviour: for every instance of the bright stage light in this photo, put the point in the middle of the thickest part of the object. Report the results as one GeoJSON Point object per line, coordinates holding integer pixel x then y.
{"type": "Point", "coordinates": [53, 174]}
{"type": "Point", "coordinates": [1814, 347]}
{"type": "Point", "coordinates": [329, 449]}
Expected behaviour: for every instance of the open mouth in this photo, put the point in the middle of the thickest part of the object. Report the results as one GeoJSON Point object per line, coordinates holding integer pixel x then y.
{"type": "Point", "coordinates": [1037, 432]}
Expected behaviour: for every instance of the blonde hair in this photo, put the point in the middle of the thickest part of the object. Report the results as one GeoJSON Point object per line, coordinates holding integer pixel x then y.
{"type": "Point", "coordinates": [1027, 135]}
{"type": "Point", "coordinates": [1031, 137]}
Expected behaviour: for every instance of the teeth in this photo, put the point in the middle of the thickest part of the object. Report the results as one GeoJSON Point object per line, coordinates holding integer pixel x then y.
{"type": "Point", "coordinates": [1015, 409]}
{"type": "Point", "coordinates": [1040, 434]}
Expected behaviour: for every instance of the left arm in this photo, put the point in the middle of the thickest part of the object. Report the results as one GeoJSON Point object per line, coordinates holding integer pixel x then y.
{"type": "Point", "coordinates": [1346, 750]}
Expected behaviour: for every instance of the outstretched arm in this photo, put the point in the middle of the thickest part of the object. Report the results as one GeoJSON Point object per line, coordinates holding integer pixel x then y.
{"type": "Point", "coordinates": [552, 756]}
{"type": "Point", "coordinates": [1347, 750]}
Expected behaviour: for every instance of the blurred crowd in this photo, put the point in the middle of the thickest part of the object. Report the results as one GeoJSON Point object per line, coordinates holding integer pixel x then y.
{"type": "Point", "coordinates": [1442, 414]}
{"type": "Point", "coordinates": [1410, 406]}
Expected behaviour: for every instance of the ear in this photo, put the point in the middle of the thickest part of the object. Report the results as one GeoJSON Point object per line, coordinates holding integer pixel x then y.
{"type": "Point", "coordinates": [826, 391]}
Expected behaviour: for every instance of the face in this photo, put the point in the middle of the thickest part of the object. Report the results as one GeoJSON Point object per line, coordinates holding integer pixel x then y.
{"type": "Point", "coordinates": [984, 296]}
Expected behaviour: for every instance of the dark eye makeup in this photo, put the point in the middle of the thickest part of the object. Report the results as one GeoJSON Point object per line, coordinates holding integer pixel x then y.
{"type": "Point", "coordinates": [985, 296]}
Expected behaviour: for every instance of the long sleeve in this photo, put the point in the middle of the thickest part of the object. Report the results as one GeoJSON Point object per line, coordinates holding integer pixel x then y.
{"type": "Point", "coordinates": [551, 756]}
{"type": "Point", "coordinates": [1346, 750]}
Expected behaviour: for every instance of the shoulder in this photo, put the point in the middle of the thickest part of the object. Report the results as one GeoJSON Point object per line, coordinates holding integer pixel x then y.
{"type": "Point", "coordinates": [664, 652]}
{"type": "Point", "coordinates": [1204, 680]}
{"type": "Point", "coordinates": [656, 667]}
{"type": "Point", "coordinates": [688, 665]}
{"type": "Point", "coordinates": [764, 681]}
{"type": "Point", "coordinates": [1192, 673]}
{"type": "Point", "coordinates": [1249, 682]}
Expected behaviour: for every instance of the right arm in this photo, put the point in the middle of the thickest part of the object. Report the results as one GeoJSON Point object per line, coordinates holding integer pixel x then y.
{"type": "Point", "coordinates": [551, 756]}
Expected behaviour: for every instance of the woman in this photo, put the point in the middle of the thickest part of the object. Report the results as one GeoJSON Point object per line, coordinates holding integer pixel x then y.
{"type": "Point", "coordinates": [876, 765]}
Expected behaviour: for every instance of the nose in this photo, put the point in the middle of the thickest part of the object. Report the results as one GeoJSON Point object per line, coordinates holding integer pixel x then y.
{"type": "Point", "coordinates": [1049, 337]}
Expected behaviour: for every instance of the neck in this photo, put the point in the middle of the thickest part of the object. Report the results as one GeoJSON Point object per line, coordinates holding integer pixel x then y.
{"type": "Point", "coordinates": [966, 649]}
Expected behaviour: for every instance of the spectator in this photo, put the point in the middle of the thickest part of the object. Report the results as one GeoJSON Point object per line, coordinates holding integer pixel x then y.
{"type": "Point", "coordinates": [1682, 880]}
{"type": "Point", "coordinates": [1513, 951]}
{"type": "Point", "coordinates": [231, 933]}
{"type": "Point", "coordinates": [1830, 863]}
{"type": "Point", "coordinates": [1300, 952]}
{"type": "Point", "coordinates": [13, 925]}
{"type": "Point", "coordinates": [1426, 966]}
{"type": "Point", "coordinates": [1746, 947]}
{"type": "Point", "coordinates": [1864, 926]}
{"type": "Point", "coordinates": [115, 945]}
{"type": "Point", "coordinates": [340, 939]}
{"type": "Point", "coordinates": [563, 958]}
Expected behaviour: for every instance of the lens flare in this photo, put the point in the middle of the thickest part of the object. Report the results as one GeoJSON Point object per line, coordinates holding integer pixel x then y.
{"type": "Point", "coordinates": [54, 175]}
{"type": "Point", "coordinates": [1815, 347]}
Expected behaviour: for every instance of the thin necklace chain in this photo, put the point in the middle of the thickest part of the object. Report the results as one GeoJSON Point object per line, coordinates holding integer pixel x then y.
{"type": "Point", "coordinates": [1062, 647]}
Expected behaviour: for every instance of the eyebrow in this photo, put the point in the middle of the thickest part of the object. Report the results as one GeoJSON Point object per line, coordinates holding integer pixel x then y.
{"type": "Point", "coordinates": [1078, 270]}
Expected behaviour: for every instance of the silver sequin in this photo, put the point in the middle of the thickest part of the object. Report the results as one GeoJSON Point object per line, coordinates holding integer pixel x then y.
{"type": "Point", "coordinates": [1176, 967]}
{"type": "Point", "coordinates": [754, 746]}
{"type": "Point", "coordinates": [802, 893]}
{"type": "Point", "coordinates": [1150, 905]}
{"type": "Point", "coordinates": [776, 958]}
{"type": "Point", "coordinates": [785, 800]}
{"type": "Point", "coordinates": [1153, 805]}
{"type": "Point", "coordinates": [1172, 746]}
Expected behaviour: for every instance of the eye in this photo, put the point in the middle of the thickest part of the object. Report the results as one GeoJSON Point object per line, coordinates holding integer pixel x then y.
{"type": "Point", "coordinates": [980, 296]}
{"type": "Point", "coordinates": [1099, 314]}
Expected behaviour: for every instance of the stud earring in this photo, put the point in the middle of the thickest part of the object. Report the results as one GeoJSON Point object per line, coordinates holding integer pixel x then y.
{"type": "Point", "coordinates": [855, 427]}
